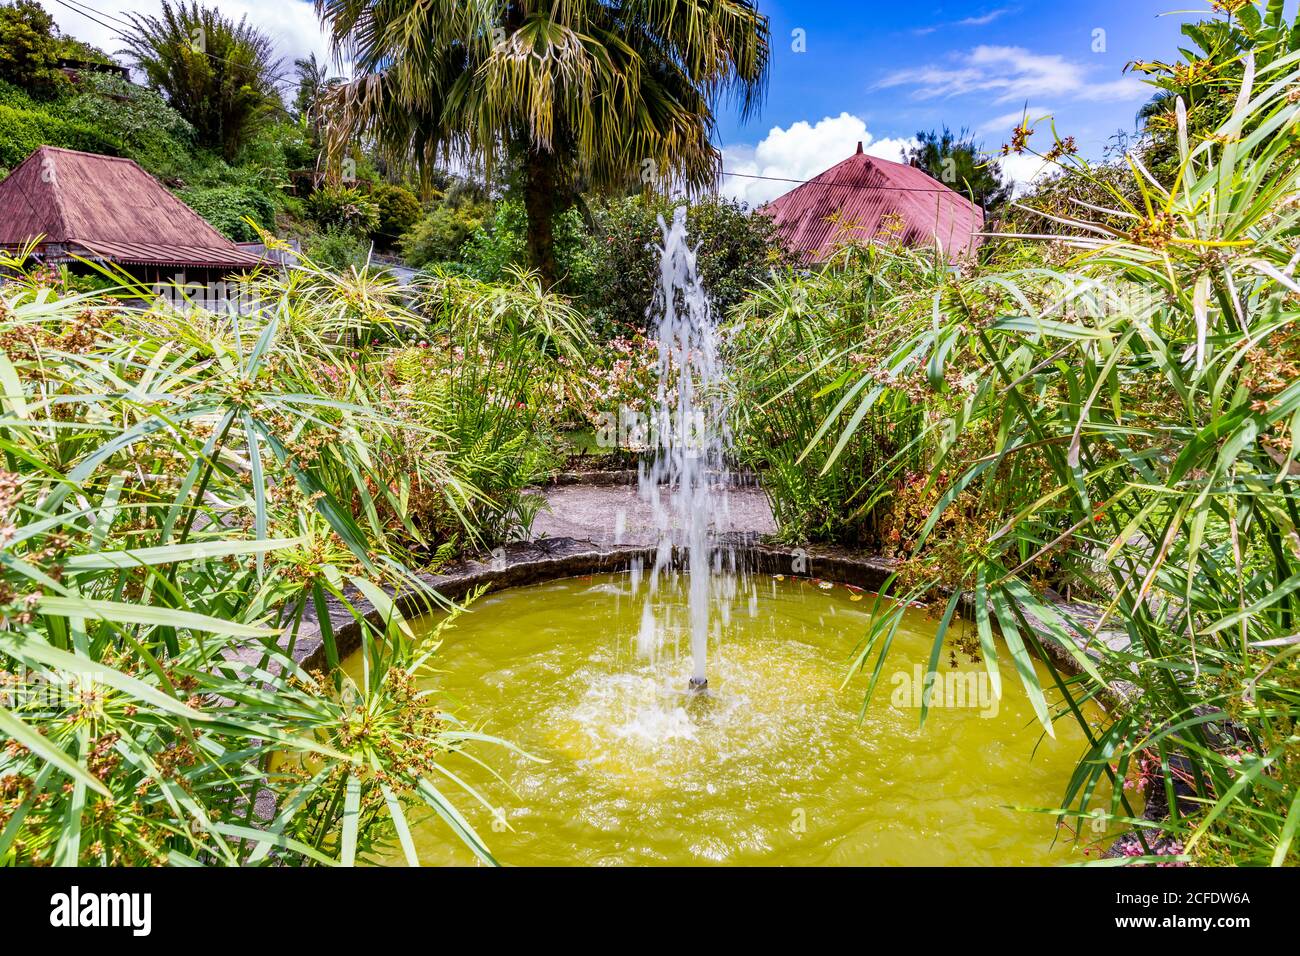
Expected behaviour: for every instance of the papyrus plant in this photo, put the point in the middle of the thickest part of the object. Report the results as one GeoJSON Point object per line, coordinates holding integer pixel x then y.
{"type": "Point", "coordinates": [180, 492]}
{"type": "Point", "coordinates": [1153, 381]}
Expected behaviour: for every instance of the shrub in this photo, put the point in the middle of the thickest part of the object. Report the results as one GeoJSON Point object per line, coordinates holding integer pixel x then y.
{"type": "Point", "coordinates": [225, 207]}
{"type": "Point", "coordinates": [151, 132]}
{"type": "Point", "coordinates": [1119, 420]}
{"type": "Point", "coordinates": [164, 606]}
{"type": "Point", "coordinates": [439, 236]}
{"type": "Point", "coordinates": [23, 131]}
{"type": "Point", "coordinates": [345, 208]}
{"type": "Point", "coordinates": [17, 97]}
{"type": "Point", "coordinates": [338, 249]}
{"type": "Point", "coordinates": [488, 385]}
{"type": "Point", "coordinates": [502, 245]}
{"type": "Point", "coordinates": [399, 210]}
{"type": "Point", "coordinates": [277, 148]}
{"type": "Point", "coordinates": [737, 250]}
{"type": "Point", "coordinates": [501, 242]}
{"type": "Point", "coordinates": [792, 342]}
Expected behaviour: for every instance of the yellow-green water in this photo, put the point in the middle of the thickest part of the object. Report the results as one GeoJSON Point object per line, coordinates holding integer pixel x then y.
{"type": "Point", "coordinates": [772, 768]}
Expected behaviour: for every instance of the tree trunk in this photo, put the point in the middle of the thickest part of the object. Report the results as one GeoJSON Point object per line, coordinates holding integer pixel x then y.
{"type": "Point", "coordinates": [540, 203]}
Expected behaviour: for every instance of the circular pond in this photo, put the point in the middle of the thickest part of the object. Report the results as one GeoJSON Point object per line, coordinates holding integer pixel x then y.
{"type": "Point", "coordinates": [775, 765]}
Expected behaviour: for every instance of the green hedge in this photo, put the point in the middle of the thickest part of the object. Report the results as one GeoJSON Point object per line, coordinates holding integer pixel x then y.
{"type": "Point", "coordinates": [23, 131]}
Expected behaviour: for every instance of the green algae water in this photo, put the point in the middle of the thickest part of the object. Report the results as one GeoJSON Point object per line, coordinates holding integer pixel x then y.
{"type": "Point", "coordinates": [772, 767]}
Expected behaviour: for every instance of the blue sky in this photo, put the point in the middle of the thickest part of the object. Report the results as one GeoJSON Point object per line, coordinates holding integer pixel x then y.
{"type": "Point", "coordinates": [877, 72]}
{"type": "Point", "coordinates": [883, 71]}
{"type": "Point", "coordinates": [853, 47]}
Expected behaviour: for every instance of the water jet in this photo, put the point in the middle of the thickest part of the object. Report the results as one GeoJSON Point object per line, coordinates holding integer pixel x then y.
{"type": "Point", "coordinates": [688, 466]}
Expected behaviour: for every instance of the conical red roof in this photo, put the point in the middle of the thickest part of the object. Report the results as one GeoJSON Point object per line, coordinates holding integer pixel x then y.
{"type": "Point", "coordinates": [855, 199]}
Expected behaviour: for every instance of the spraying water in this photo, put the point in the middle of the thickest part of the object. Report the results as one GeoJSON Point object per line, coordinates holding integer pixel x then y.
{"type": "Point", "coordinates": [688, 465]}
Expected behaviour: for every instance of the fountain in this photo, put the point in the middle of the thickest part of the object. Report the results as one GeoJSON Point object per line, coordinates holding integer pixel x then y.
{"type": "Point", "coordinates": [775, 763]}
{"type": "Point", "coordinates": [688, 463]}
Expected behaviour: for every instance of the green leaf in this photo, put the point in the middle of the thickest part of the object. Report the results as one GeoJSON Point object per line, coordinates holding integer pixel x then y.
{"type": "Point", "coordinates": [147, 615]}
{"type": "Point", "coordinates": [174, 553]}
{"type": "Point", "coordinates": [351, 819]}
{"type": "Point", "coordinates": [1023, 661]}
{"type": "Point", "coordinates": [30, 649]}
{"type": "Point", "coordinates": [41, 745]}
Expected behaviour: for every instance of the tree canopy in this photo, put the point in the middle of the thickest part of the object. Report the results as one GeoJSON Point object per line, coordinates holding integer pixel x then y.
{"type": "Point", "coordinates": [590, 94]}
{"type": "Point", "coordinates": [218, 73]}
{"type": "Point", "coordinates": [957, 161]}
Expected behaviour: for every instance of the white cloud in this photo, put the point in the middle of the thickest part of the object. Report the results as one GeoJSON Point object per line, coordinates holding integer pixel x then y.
{"type": "Point", "coordinates": [800, 152]}
{"type": "Point", "coordinates": [981, 20]}
{"type": "Point", "coordinates": [1024, 170]}
{"type": "Point", "coordinates": [291, 24]}
{"type": "Point", "coordinates": [1011, 73]}
{"type": "Point", "coordinates": [987, 18]}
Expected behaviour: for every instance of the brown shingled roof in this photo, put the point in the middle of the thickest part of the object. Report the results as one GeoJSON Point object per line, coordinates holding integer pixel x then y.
{"type": "Point", "coordinates": [103, 207]}
{"type": "Point", "coordinates": [859, 193]}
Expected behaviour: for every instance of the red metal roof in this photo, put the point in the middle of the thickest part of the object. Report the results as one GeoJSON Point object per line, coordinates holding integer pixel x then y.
{"type": "Point", "coordinates": [851, 199]}
{"type": "Point", "coordinates": [108, 208]}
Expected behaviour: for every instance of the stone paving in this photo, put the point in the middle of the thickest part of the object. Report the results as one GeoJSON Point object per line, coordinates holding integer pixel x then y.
{"type": "Point", "coordinates": [606, 515]}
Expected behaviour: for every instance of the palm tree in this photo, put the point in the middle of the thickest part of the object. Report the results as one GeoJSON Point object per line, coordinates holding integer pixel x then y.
{"type": "Point", "coordinates": [314, 82]}
{"type": "Point", "coordinates": [581, 94]}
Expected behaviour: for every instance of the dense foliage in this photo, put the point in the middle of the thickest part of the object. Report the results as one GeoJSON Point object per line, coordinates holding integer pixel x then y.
{"type": "Point", "coordinates": [957, 161]}
{"type": "Point", "coordinates": [236, 211]}
{"type": "Point", "coordinates": [345, 208]}
{"type": "Point", "coordinates": [398, 209]}
{"type": "Point", "coordinates": [218, 74]}
{"type": "Point", "coordinates": [26, 125]}
{"type": "Point", "coordinates": [736, 250]}
{"type": "Point", "coordinates": [795, 343]}
{"type": "Point", "coordinates": [29, 48]}
{"type": "Point", "coordinates": [603, 94]}
{"type": "Point", "coordinates": [148, 129]}
{"type": "Point", "coordinates": [257, 469]}
{"type": "Point", "coordinates": [439, 235]}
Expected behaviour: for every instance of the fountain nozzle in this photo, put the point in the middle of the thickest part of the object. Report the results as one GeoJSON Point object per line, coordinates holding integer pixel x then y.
{"type": "Point", "coordinates": [698, 685]}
